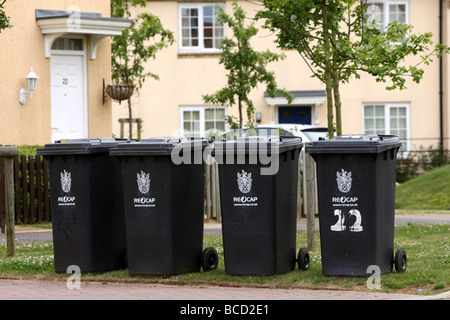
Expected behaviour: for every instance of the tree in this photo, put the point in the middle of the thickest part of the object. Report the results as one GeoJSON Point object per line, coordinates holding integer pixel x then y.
{"type": "Point", "coordinates": [4, 19]}
{"type": "Point", "coordinates": [132, 49]}
{"type": "Point", "coordinates": [246, 67]}
{"type": "Point", "coordinates": [338, 39]}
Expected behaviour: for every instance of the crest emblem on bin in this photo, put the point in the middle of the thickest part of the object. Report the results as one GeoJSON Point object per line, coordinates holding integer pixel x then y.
{"type": "Point", "coordinates": [66, 181]}
{"type": "Point", "coordinates": [143, 182]}
{"type": "Point", "coordinates": [244, 181]}
{"type": "Point", "coordinates": [344, 181]}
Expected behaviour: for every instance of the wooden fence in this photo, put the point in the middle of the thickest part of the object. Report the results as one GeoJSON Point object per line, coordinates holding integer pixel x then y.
{"type": "Point", "coordinates": [31, 183]}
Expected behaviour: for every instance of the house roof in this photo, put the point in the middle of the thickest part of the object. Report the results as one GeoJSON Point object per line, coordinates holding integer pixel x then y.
{"type": "Point", "coordinates": [56, 23]}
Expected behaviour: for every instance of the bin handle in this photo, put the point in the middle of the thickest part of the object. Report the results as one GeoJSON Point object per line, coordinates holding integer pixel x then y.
{"type": "Point", "coordinates": [174, 140]}
{"type": "Point", "coordinates": [275, 139]}
{"type": "Point", "coordinates": [95, 141]}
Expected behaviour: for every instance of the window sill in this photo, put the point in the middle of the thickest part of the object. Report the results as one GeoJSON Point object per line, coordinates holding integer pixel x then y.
{"type": "Point", "coordinates": [199, 55]}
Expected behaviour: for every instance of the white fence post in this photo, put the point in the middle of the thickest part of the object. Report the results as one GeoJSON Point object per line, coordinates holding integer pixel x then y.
{"type": "Point", "coordinates": [212, 190]}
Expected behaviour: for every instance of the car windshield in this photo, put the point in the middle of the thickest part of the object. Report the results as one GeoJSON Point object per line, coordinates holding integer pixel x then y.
{"type": "Point", "coordinates": [267, 132]}
{"type": "Point", "coordinates": [315, 133]}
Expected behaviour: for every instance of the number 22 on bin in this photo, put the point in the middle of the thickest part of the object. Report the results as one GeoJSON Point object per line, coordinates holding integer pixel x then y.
{"type": "Point", "coordinates": [339, 226]}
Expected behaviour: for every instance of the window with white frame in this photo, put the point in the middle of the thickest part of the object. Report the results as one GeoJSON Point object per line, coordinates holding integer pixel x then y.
{"type": "Point", "coordinates": [390, 119]}
{"type": "Point", "coordinates": [382, 12]}
{"type": "Point", "coordinates": [202, 121]}
{"type": "Point", "coordinates": [199, 30]}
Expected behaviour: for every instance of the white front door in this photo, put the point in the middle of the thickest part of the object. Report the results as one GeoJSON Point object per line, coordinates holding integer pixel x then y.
{"type": "Point", "coordinates": [69, 114]}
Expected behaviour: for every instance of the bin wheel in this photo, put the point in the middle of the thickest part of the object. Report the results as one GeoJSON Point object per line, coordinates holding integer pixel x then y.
{"type": "Point", "coordinates": [400, 260]}
{"type": "Point", "coordinates": [210, 259]}
{"type": "Point", "coordinates": [303, 259]}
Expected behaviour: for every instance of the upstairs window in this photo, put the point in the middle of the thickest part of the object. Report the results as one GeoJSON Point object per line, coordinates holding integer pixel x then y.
{"type": "Point", "coordinates": [199, 30]}
{"type": "Point", "coordinates": [382, 12]}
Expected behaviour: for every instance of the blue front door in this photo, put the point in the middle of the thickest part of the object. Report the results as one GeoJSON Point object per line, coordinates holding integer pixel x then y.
{"type": "Point", "coordinates": [297, 115]}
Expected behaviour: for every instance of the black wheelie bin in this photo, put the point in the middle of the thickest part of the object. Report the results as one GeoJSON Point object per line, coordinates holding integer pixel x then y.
{"type": "Point", "coordinates": [356, 193]}
{"type": "Point", "coordinates": [163, 196]}
{"type": "Point", "coordinates": [258, 190]}
{"type": "Point", "coordinates": [86, 203]}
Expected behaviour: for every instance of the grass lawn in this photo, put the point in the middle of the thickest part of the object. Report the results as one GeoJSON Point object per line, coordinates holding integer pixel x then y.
{"type": "Point", "coordinates": [430, 191]}
{"type": "Point", "coordinates": [427, 248]}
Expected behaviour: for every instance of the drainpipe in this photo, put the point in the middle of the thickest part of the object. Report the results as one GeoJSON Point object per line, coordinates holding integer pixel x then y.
{"type": "Point", "coordinates": [441, 90]}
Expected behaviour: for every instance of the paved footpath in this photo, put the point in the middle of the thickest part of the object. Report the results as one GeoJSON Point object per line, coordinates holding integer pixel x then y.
{"type": "Point", "coordinates": [49, 290]}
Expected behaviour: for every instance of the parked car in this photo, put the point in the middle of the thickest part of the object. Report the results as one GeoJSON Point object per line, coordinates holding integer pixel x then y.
{"type": "Point", "coordinates": [308, 133]}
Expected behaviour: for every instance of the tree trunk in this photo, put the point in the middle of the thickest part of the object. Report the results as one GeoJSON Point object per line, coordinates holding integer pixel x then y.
{"type": "Point", "coordinates": [337, 102]}
{"type": "Point", "coordinates": [240, 113]}
{"type": "Point", "coordinates": [328, 70]}
{"type": "Point", "coordinates": [130, 116]}
{"type": "Point", "coordinates": [127, 79]}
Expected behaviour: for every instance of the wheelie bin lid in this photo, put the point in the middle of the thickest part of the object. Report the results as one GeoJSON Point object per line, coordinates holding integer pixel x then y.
{"type": "Point", "coordinates": [357, 143]}
{"type": "Point", "coordinates": [80, 146]}
{"type": "Point", "coordinates": [159, 146]}
{"type": "Point", "coordinates": [252, 145]}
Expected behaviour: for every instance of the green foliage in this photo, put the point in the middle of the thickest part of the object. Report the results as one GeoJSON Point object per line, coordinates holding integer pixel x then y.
{"type": "Point", "coordinates": [4, 19]}
{"type": "Point", "coordinates": [338, 41]}
{"type": "Point", "coordinates": [31, 258]}
{"type": "Point", "coordinates": [421, 161]}
{"type": "Point", "coordinates": [131, 49]}
{"type": "Point", "coordinates": [246, 67]}
{"type": "Point", "coordinates": [28, 150]}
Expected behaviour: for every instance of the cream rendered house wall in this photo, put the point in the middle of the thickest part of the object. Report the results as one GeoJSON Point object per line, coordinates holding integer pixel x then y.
{"type": "Point", "coordinates": [22, 47]}
{"type": "Point", "coordinates": [185, 78]}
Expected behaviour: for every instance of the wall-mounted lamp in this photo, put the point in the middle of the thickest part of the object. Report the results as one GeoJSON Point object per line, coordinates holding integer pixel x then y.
{"type": "Point", "coordinates": [31, 80]}
{"type": "Point", "coordinates": [258, 117]}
